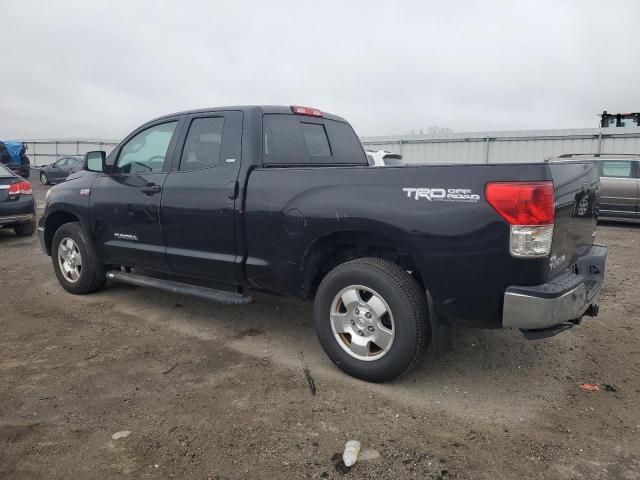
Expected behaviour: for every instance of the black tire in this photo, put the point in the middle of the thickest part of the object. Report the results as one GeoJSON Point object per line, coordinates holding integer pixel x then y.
{"type": "Point", "coordinates": [93, 274]}
{"type": "Point", "coordinates": [407, 302]}
{"type": "Point", "coordinates": [25, 229]}
{"type": "Point", "coordinates": [43, 178]}
{"type": "Point", "coordinates": [26, 174]}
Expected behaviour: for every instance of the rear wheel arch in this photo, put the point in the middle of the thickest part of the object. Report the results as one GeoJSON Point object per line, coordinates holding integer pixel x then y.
{"type": "Point", "coordinates": [331, 250]}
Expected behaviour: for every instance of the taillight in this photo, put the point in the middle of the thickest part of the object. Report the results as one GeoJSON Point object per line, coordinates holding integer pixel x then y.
{"type": "Point", "coordinates": [308, 111]}
{"type": "Point", "coordinates": [20, 188]}
{"type": "Point", "coordinates": [529, 207]}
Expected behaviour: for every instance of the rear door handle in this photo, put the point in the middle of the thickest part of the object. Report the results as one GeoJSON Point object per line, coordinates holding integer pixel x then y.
{"type": "Point", "coordinates": [151, 189]}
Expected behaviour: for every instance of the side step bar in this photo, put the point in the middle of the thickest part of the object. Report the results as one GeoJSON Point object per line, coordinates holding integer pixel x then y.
{"type": "Point", "coordinates": [220, 296]}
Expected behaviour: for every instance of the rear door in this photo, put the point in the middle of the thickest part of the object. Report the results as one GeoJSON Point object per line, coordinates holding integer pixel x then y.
{"type": "Point", "coordinates": [75, 165]}
{"type": "Point", "coordinates": [619, 187]}
{"type": "Point", "coordinates": [66, 169]}
{"type": "Point", "coordinates": [125, 204]}
{"type": "Point", "coordinates": [199, 198]}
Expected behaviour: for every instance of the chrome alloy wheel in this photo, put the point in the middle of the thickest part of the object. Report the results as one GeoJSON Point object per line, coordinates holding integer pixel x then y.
{"type": "Point", "coordinates": [362, 323]}
{"type": "Point", "coordinates": [583, 206]}
{"type": "Point", "coordinates": [70, 260]}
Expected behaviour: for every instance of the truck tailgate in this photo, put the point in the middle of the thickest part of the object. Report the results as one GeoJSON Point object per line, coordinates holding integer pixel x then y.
{"type": "Point", "coordinates": [575, 184]}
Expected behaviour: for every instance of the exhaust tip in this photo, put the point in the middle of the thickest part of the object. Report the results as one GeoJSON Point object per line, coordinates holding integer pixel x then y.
{"type": "Point", "coordinates": [593, 310]}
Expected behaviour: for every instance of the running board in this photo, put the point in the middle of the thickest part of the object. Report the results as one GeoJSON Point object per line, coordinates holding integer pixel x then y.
{"type": "Point", "coordinates": [220, 296]}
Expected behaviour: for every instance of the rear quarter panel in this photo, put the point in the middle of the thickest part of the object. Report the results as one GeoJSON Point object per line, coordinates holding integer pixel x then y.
{"type": "Point", "coordinates": [460, 247]}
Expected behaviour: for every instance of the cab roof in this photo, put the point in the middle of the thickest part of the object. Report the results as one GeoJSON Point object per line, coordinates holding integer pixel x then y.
{"type": "Point", "coordinates": [250, 109]}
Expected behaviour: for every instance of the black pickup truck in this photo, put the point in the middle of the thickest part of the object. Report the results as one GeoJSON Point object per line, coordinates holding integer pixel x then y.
{"type": "Point", "coordinates": [223, 202]}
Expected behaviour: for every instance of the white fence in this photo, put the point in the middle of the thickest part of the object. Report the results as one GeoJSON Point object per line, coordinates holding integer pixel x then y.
{"type": "Point", "coordinates": [44, 152]}
{"type": "Point", "coordinates": [507, 147]}
{"type": "Point", "coordinates": [479, 147]}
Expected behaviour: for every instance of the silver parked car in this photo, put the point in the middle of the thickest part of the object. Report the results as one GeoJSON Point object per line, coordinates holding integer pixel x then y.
{"type": "Point", "coordinates": [619, 194]}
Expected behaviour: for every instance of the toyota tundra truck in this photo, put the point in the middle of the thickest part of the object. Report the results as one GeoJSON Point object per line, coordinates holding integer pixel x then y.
{"type": "Point", "coordinates": [225, 202]}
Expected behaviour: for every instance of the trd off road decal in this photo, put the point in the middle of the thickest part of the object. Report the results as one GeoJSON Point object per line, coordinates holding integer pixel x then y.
{"type": "Point", "coordinates": [442, 194]}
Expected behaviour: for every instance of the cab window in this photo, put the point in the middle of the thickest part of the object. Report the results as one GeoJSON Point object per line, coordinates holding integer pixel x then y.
{"type": "Point", "coordinates": [146, 151]}
{"type": "Point", "coordinates": [203, 144]}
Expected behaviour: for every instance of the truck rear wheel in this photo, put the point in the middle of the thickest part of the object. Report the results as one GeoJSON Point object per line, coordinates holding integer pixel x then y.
{"type": "Point", "coordinates": [75, 261]}
{"type": "Point", "coordinates": [371, 318]}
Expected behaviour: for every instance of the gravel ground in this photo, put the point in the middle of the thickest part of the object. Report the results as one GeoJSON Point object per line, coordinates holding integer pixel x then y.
{"type": "Point", "coordinates": [220, 392]}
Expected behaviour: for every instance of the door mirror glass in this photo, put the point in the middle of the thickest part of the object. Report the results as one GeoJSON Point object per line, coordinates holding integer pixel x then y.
{"type": "Point", "coordinates": [95, 161]}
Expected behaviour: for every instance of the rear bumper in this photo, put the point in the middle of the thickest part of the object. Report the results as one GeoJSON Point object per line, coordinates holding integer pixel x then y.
{"type": "Point", "coordinates": [16, 219]}
{"type": "Point", "coordinates": [565, 298]}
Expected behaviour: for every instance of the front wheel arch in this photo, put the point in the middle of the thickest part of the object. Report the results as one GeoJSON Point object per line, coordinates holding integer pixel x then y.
{"type": "Point", "coordinates": [53, 222]}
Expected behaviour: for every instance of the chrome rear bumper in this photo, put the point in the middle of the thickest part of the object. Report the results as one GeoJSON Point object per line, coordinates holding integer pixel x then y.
{"type": "Point", "coordinates": [565, 298]}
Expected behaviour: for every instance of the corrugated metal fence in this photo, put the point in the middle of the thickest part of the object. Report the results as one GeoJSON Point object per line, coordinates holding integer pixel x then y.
{"type": "Point", "coordinates": [44, 152]}
{"type": "Point", "coordinates": [507, 147]}
{"type": "Point", "coordinates": [477, 147]}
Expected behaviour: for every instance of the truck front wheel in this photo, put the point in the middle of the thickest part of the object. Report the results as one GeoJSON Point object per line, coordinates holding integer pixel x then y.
{"type": "Point", "coordinates": [371, 318]}
{"type": "Point", "coordinates": [75, 261]}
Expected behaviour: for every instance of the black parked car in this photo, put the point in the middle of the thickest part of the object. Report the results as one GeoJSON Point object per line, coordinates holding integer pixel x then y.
{"type": "Point", "coordinates": [59, 170]}
{"type": "Point", "coordinates": [17, 208]}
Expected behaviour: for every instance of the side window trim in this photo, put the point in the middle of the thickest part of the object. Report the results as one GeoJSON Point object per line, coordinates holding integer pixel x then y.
{"type": "Point", "coordinates": [168, 161]}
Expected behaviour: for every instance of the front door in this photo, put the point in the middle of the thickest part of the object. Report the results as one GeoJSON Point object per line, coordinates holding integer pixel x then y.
{"type": "Point", "coordinates": [125, 203]}
{"type": "Point", "coordinates": [59, 170]}
{"type": "Point", "coordinates": [199, 198]}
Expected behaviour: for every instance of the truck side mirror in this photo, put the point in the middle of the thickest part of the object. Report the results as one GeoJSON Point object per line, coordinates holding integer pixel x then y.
{"type": "Point", "coordinates": [95, 161]}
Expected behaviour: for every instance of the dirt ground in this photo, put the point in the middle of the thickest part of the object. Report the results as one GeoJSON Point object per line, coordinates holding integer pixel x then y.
{"type": "Point", "coordinates": [210, 391]}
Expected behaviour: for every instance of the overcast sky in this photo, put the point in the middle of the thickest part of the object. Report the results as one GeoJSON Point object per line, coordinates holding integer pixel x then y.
{"type": "Point", "coordinates": [99, 69]}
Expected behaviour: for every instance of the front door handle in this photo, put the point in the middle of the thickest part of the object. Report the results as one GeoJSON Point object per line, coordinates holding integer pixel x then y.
{"type": "Point", "coordinates": [151, 189]}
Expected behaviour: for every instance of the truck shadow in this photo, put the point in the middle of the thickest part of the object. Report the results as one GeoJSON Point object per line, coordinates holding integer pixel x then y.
{"type": "Point", "coordinates": [10, 239]}
{"type": "Point", "coordinates": [488, 361]}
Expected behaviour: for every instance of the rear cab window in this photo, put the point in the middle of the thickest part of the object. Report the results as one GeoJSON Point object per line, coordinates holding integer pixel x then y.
{"type": "Point", "coordinates": [301, 140]}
